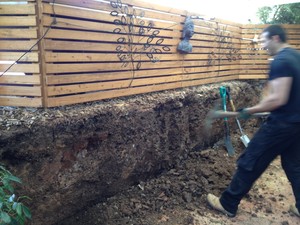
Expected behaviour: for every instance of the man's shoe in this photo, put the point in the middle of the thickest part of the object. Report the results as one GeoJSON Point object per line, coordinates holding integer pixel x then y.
{"type": "Point", "coordinates": [214, 202]}
{"type": "Point", "coordinates": [294, 210]}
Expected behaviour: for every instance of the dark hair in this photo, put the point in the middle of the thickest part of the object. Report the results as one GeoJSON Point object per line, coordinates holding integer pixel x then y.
{"type": "Point", "coordinates": [276, 30]}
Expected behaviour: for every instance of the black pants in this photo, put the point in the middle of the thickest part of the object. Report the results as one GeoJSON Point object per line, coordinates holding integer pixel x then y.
{"type": "Point", "coordinates": [272, 139]}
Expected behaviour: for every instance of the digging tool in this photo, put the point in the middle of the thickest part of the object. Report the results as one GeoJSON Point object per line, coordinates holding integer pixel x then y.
{"type": "Point", "coordinates": [220, 114]}
{"type": "Point", "coordinates": [244, 138]}
{"type": "Point", "coordinates": [228, 143]}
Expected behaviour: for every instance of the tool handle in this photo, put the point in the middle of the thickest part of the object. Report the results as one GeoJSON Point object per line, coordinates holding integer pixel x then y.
{"type": "Point", "coordinates": [228, 143]}
{"type": "Point", "coordinates": [221, 114]}
{"type": "Point", "coordinates": [223, 97]}
{"type": "Point", "coordinates": [230, 99]}
{"type": "Point", "coordinates": [233, 109]}
{"type": "Point", "coordinates": [232, 105]}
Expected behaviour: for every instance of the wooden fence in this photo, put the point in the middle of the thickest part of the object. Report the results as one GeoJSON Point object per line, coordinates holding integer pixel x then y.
{"type": "Point", "coordinates": [87, 50]}
{"type": "Point", "coordinates": [255, 63]}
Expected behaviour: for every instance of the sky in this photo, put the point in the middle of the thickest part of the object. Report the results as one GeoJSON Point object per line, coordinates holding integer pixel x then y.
{"type": "Point", "coordinates": [233, 10]}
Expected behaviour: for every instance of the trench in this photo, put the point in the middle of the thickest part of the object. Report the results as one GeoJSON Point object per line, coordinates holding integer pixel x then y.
{"type": "Point", "coordinates": [73, 157]}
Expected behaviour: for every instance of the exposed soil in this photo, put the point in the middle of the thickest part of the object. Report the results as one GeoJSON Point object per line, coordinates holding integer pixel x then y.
{"type": "Point", "coordinates": [141, 160]}
{"type": "Point", "coordinates": [178, 196]}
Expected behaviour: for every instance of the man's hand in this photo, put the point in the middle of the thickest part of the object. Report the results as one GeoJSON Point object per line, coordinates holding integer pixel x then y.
{"type": "Point", "coordinates": [243, 114]}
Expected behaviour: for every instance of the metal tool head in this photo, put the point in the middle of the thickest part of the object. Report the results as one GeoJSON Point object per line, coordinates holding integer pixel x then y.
{"type": "Point", "coordinates": [245, 139]}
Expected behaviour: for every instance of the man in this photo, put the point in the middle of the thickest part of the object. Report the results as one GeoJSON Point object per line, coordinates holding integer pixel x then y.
{"type": "Point", "coordinates": [279, 135]}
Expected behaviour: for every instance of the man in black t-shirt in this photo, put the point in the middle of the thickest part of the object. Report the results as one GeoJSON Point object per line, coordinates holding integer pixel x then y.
{"type": "Point", "coordinates": [279, 135]}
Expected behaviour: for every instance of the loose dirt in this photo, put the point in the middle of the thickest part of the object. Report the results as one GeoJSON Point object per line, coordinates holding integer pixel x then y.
{"type": "Point", "coordinates": [178, 196]}
{"type": "Point", "coordinates": [143, 160]}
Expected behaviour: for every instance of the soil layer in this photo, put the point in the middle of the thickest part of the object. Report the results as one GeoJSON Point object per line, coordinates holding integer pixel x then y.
{"type": "Point", "coordinates": [144, 159]}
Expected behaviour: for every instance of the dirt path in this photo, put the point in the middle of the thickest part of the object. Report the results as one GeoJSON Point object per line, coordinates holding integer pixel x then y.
{"type": "Point", "coordinates": [178, 196]}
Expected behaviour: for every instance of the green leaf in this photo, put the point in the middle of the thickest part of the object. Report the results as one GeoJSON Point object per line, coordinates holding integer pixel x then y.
{"type": "Point", "coordinates": [7, 185]}
{"type": "Point", "coordinates": [19, 209]}
{"type": "Point", "coordinates": [14, 178]}
{"type": "Point", "coordinates": [2, 193]}
{"type": "Point", "coordinates": [2, 168]}
{"type": "Point", "coordinates": [26, 212]}
{"type": "Point", "coordinates": [14, 222]}
{"type": "Point", "coordinates": [5, 217]}
{"type": "Point", "coordinates": [20, 220]}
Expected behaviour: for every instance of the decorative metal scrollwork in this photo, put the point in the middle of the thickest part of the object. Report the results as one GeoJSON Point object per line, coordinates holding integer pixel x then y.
{"type": "Point", "coordinates": [138, 36]}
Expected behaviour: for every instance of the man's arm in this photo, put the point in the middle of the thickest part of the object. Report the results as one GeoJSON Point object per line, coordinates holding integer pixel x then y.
{"type": "Point", "coordinates": [279, 92]}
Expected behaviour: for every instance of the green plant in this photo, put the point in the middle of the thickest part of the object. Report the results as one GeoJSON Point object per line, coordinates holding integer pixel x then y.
{"type": "Point", "coordinates": [280, 14]}
{"type": "Point", "coordinates": [12, 210]}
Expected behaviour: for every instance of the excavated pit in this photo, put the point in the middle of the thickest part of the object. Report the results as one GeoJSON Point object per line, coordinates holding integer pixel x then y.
{"type": "Point", "coordinates": [74, 157]}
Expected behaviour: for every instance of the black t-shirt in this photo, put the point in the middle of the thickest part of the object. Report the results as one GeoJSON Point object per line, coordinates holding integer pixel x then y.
{"type": "Point", "coordinates": [287, 64]}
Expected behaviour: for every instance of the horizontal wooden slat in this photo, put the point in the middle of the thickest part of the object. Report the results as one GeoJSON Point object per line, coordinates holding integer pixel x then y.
{"type": "Point", "coordinates": [20, 91]}
{"type": "Point", "coordinates": [204, 47]}
{"type": "Point", "coordinates": [217, 39]}
{"type": "Point", "coordinates": [254, 61]}
{"type": "Point", "coordinates": [293, 42]}
{"type": "Point", "coordinates": [94, 67]}
{"type": "Point", "coordinates": [169, 9]}
{"type": "Point", "coordinates": [206, 68]}
{"type": "Point", "coordinates": [197, 40]}
{"type": "Point", "coordinates": [253, 50]}
{"type": "Point", "coordinates": [262, 26]}
{"type": "Point", "coordinates": [217, 27]}
{"type": "Point", "coordinates": [253, 66]}
{"type": "Point", "coordinates": [290, 37]}
{"type": "Point", "coordinates": [13, 56]}
{"type": "Point", "coordinates": [152, 6]}
{"type": "Point", "coordinates": [254, 77]}
{"type": "Point", "coordinates": [17, 45]}
{"type": "Point", "coordinates": [91, 4]}
{"type": "Point", "coordinates": [18, 33]}
{"type": "Point", "coordinates": [66, 100]}
{"type": "Point", "coordinates": [254, 57]}
{"type": "Point", "coordinates": [79, 46]}
{"type": "Point", "coordinates": [25, 68]}
{"type": "Point", "coordinates": [18, 21]}
{"type": "Point", "coordinates": [105, 27]}
{"type": "Point", "coordinates": [19, 9]}
{"type": "Point", "coordinates": [245, 72]}
{"type": "Point", "coordinates": [20, 79]}
{"type": "Point", "coordinates": [79, 88]}
{"type": "Point", "coordinates": [79, 14]}
{"type": "Point", "coordinates": [81, 78]}
{"type": "Point", "coordinates": [94, 36]}
{"type": "Point", "coordinates": [105, 6]}
{"type": "Point", "coordinates": [21, 101]}
{"type": "Point", "coordinates": [106, 57]}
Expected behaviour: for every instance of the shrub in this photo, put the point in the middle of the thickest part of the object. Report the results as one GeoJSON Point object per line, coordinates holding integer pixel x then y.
{"type": "Point", "coordinates": [12, 210]}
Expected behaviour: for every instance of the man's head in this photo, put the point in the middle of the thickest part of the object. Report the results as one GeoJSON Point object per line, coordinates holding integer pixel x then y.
{"type": "Point", "coordinates": [272, 38]}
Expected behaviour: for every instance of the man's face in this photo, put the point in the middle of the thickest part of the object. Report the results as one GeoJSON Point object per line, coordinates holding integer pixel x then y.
{"type": "Point", "coordinates": [268, 44]}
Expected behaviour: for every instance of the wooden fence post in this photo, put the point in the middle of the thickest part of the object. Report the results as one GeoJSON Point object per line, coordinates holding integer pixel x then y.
{"type": "Point", "coordinates": [41, 51]}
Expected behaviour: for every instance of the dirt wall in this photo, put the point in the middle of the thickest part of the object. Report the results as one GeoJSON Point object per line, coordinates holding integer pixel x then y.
{"type": "Point", "coordinates": [71, 157]}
